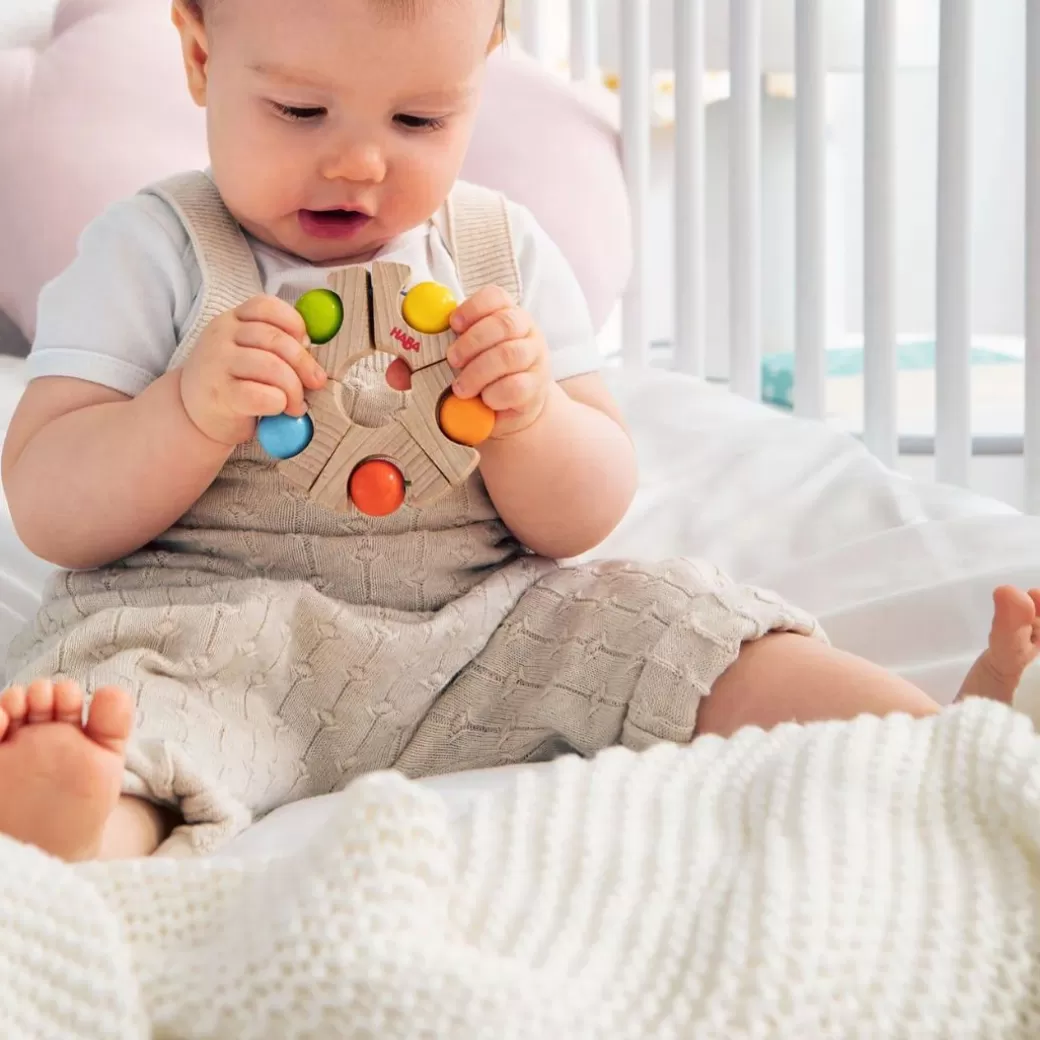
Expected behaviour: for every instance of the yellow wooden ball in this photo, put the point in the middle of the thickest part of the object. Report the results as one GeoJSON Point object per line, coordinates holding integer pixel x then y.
{"type": "Point", "coordinates": [428, 308]}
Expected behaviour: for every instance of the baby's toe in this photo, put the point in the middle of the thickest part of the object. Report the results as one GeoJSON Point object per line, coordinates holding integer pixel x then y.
{"type": "Point", "coordinates": [68, 702]}
{"type": "Point", "coordinates": [110, 719]}
{"type": "Point", "coordinates": [14, 705]}
{"type": "Point", "coordinates": [1013, 609]}
{"type": "Point", "coordinates": [40, 699]}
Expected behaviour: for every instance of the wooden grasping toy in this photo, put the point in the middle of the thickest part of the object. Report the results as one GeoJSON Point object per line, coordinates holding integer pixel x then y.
{"type": "Point", "coordinates": [427, 446]}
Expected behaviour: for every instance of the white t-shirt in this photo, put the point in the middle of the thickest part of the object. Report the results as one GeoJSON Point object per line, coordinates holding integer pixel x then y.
{"type": "Point", "coordinates": [117, 313]}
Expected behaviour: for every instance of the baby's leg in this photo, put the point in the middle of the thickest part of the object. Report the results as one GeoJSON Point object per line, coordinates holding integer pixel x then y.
{"type": "Point", "coordinates": [1014, 642]}
{"type": "Point", "coordinates": [60, 777]}
{"type": "Point", "coordinates": [789, 678]}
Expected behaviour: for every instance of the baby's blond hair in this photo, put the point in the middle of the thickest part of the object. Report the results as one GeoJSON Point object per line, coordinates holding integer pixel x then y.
{"type": "Point", "coordinates": [405, 7]}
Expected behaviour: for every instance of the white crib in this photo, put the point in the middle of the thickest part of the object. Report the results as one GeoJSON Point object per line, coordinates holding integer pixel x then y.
{"type": "Point", "coordinates": [953, 419]}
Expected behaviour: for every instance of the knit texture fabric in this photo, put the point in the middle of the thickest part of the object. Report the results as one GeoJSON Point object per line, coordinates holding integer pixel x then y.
{"type": "Point", "coordinates": [480, 240]}
{"type": "Point", "coordinates": [277, 649]}
{"type": "Point", "coordinates": [874, 880]}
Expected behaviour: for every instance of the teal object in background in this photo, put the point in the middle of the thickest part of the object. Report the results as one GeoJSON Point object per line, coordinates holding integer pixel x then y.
{"type": "Point", "coordinates": [778, 369]}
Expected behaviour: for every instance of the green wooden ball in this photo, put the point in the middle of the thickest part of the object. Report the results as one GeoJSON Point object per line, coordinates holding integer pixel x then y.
{"type": "Point", "coordinates": [322, 312]}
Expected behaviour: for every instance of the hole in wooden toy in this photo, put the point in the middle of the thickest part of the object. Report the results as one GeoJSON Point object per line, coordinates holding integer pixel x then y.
{"type": "Point", "coordinates": [465, 420]}
{"type": "Point", "coordinates": [376, 487]}
{"type": "Point", "coordinates": [368, 396]}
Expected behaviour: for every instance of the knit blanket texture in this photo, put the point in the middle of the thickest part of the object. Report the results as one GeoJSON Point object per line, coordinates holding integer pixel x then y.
{"type": "Point", "coordinates": [876, 879]}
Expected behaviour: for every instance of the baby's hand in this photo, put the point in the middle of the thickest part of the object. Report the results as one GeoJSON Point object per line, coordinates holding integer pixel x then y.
{"type": "Point", "coordinates": [250, 362]}
{"type": "Point", "coordinates": [501, 357]}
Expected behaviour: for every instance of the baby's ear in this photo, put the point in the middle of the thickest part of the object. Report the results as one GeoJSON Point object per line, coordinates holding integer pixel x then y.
{"type": "Point", "coordinates": [186, 16]}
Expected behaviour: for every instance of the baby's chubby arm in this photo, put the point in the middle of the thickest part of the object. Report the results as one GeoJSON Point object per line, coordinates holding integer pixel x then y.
{"type": "Point", "coordinates": [91, 475]}
{"type": "Point", "coordinates": [560, 465]}
{"type": "Point", "coordinates": [564, 483]}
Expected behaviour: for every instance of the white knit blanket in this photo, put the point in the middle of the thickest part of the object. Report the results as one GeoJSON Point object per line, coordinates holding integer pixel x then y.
{"type": "Point", "coordinates": [870, 880]}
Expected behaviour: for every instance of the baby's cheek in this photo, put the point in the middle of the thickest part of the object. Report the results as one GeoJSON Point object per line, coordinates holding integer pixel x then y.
{"type": "Point", "coordinates": [426, 169]}
{"type": "Point", "coordinates": [252, 154]}
{"type": "Point", "coordinates": [413, 194]}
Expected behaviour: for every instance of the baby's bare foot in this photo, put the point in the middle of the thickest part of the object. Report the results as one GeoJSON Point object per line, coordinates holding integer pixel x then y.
{"type": "Point", "coordinates": [60, 777]}
{"type": "Point", "coordinates": [1014, 642]}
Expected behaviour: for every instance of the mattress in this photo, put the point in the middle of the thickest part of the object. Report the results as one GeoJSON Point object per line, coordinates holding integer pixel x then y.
{"type": "Point", "coordinates": [897, 571]}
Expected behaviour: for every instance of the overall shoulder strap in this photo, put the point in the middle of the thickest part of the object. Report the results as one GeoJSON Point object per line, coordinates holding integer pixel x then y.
{"type": "Point", "coordinates": [479, 236]}
{"type": "Point", "coordinates": [226, 263]}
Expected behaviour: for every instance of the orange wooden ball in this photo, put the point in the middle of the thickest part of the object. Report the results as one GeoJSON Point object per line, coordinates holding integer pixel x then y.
{"type": "Point", "coordinates": [466, 420]}
{"type": "Point", "coordinates": [376, 488]}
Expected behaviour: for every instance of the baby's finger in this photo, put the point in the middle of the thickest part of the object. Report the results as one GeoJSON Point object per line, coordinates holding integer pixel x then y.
{"type": "Point", "coordinates": [509, 324]}
{"type": "Point", "coordinates": [273, 311]}
{"type": "Point", "coordinates": [503, 359]}
{"type": "Point", "coordinates": [513, 393]}
{"type": "Point", "coordinates": [272, 340]}
{"type": "Point", "coordinates": [487, 301]}
{"type": "Point", "coordinates": [256, 399]}
{"type": "Point", "coordinates": [258, 366]}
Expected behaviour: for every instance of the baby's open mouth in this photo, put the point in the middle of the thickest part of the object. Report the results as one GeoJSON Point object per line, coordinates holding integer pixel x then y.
{"type": "Point", "coordinates": [332, 223]}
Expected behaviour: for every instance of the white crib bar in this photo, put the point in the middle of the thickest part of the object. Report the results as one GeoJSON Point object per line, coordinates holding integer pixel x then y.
{"type": "Point", "coordinates": [534, 31]}
{"type": "Point", "coordinates": [1032, 286]}
{"type": "Point", "coordinates": [690, 231]}
{"type": "Point", "coordinates": [635, 147]}
{"type": "Point", "coordinates": [584, 40]}
{"type": "Point", "coordinates": [745, 250]}
{"type": "Point", "coordinates": [879, 256]}
{"type": "Point", "coordinates": [953, 246]}
{"type": "Point", "coordinates": [811, 212]}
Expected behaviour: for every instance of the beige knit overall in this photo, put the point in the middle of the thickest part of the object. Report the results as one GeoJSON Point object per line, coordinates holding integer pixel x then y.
{"type": "Point", "coordinates": [277, 649]}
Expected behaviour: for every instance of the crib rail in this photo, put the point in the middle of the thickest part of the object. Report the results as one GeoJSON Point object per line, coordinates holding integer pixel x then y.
{"type": "Point", "coordinates": [1032, 301]}
{"type": "Point", "coordinates": [954, 194]}
{"type": "Point", "coordinates": [635, 148]}
{"type": "Point", "coordinates": [879, 233]}
{"type": "Point", "coordinates": [953, 252]}
{"type": "Point", "coordinates": [810, 210]}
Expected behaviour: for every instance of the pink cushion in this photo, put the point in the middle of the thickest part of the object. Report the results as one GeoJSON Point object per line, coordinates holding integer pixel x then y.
{"type": "Point", "coordinates": [102, 110]}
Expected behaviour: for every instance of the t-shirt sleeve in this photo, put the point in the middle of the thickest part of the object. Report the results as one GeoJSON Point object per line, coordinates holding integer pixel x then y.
{"type": "Point", "coordinates": [114, 315]}
{"type": "Point", "coordinates": [551, 294]}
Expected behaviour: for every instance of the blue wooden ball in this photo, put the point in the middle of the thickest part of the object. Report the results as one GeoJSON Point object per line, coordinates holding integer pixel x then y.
{"type": "Point", "coordinates": [285, 436]}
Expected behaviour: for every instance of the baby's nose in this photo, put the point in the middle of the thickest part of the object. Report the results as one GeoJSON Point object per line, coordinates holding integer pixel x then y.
{"type": "Point", "coordinates": [357, 162]}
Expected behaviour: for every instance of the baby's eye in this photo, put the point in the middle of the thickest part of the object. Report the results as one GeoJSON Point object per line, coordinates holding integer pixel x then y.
{"type": "Point", "coordinates": [419, 122]}
{"type": "Point", "coordinates": [295, 113]}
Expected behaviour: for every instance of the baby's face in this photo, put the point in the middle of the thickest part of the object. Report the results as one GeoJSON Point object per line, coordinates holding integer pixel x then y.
{"type": "Point", "coordinates": [336, 125]}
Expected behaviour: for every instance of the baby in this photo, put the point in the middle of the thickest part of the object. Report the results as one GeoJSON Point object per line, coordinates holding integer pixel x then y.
{"type": "Point", "coordinates": [265, 647]}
